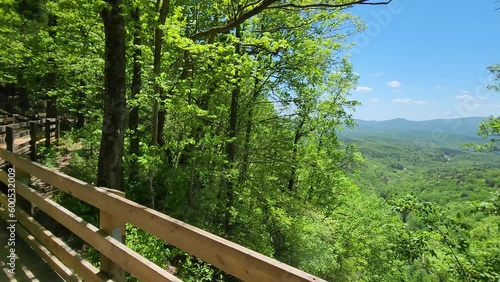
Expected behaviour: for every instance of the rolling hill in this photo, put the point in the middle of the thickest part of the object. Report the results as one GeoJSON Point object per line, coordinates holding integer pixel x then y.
{"type": "Point", "coordinates": [451, 133]}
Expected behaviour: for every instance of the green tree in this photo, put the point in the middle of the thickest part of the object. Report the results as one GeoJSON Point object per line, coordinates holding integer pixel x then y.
{"type": "Point", "coordinates": [490, 128]}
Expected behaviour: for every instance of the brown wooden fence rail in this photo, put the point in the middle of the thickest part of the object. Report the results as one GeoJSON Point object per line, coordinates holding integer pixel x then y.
{"type": "Point", "coordinates": [117, 258]}
{"type": "Point", "coordinates": [23, 137]}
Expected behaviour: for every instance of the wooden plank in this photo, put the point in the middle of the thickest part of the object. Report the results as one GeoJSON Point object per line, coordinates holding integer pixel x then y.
{"type": "Point", "coordinates": [6, 119]}
{"type": "Point", "coordinates": [21, 132]}
{"type": "Point", "coordinates": [68, 256]}
{"type": "Point", "coordinates": [232, 258]}
{"type": "Point", "coordinates": [38, 121]}
{"type": "Point", "coordinates": [115, 227]}
{"type": "Point", "coordinates": [39, 249]}
{"type": "Point", "coordinates": [33, 145]}
{"type": "Point", "coordinates": [60, 249]}
{"type": "Point", "coordinates": [23, 150]}
{"type": "Point", "coordinates": [57, 130]}
{"type": "Point", "coordinates": [47, 133]}
{"type": "Point", "coordinates": [22, 141]}
{"type": "Point", "coordinates": [24, 124]}
{"type": "Point", "coordinates": [9, 139]}
{"type": "Point", "coordinates": [22, 144]}
{"type": "Point", "coordinates": [132, 262]}
{"type": "Point", "coordinates": [40, 141]}
{"type": "Point", "coordinates": [52, 127]}
{"type": "Point", "coordinates": [21, 202]}
{"type": "Point", "coordinates": [50, 259]}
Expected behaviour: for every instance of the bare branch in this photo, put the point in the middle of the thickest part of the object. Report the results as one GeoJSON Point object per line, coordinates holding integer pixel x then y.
{"type": "Point", "coordinates": [234, 23]}
{"type": "Point", "coordinates": [329, 6]}
{"type": "Point", "coordinates": [267, 4]}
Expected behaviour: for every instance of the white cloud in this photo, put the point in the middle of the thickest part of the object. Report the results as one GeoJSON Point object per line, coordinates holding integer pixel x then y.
{"type": "Point", "coordinates": [464, 91]}
{"type": "Point", "coordinates": [410, 101]}
{"type": "Point", "coordinates": [394, 84]}
{"type": "Point", "coordinates": [373, 100]}
{"type": "Point", "coordinates": [364, 89]}
{"type": "Point", "coordinates": [464, 97]}
{"type": "Point", "coordinates": [438, 87]}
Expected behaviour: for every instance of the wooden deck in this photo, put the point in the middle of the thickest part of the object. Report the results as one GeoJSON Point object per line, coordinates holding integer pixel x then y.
{"type": "Point", "coordinates": [29, 266]}
{"type": "Point", "coordinates": [17, 142]}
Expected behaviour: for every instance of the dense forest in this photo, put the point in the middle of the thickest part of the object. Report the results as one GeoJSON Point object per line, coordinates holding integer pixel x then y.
{"type": "Point", "coordinates": [236, 117]}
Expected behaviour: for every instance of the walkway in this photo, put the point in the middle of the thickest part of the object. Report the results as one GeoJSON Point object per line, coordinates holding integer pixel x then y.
{"type": "Point", "coordinates": [29, 266]}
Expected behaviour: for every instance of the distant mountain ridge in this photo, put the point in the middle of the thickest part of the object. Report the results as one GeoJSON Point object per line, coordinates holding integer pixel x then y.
{"type": "Point", "coordinates": [467, 126]}
{"type": "Point", "coordinates": [445, 133]}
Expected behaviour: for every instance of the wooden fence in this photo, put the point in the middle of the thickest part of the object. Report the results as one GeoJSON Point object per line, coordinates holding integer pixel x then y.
{"type": "Point", "coordinates": [117, 258]}
{"type": "Point", "coordinates": [23, 137]}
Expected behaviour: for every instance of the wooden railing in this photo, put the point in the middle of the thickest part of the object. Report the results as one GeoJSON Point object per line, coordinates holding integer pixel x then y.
{"type": "Point", "coordinates": [117, 258]}
{"type": "Point", "coordinates": [23, 137]}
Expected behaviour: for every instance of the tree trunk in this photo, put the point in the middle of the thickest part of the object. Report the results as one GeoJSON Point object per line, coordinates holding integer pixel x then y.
{"type": "Point", "coordinates": [111, 148]}
{"type": "Point", "coordinates": [231, 145]}
{"type": "Point", "coordinates": [248, 133]}
{"type": "Point", "coordinates": [165, 6]}
{"type": "Point", "coordinates": [80, 117]}
{"type": "Point", "coordinates": [51, 110]}
{"type": "Point", "coordinates": [162, 118]}
{"type": "Point", "coordinates": [293, 170]}
{"type": "Point", "coordinates": [135, 90]}
{"type": "Point", "coordinates": [24, 101]}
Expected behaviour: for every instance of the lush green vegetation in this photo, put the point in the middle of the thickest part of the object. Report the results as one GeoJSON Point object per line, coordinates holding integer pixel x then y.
{"type": "Point", "coordinates": [232, 116]}
{"type": "Point", "coordinates": [445, 196]}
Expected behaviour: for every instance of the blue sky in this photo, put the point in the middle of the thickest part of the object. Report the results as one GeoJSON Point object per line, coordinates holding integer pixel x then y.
{"type": "Point", "coordinates": [427, 59]}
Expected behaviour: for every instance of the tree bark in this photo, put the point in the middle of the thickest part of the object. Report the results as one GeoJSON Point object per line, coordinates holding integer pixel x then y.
{"type": "Point", "coordinates": [80, 117]}
{"type": "Point", "coordinates": [110, 172]}
{"type": "Point", "coordinates": [231, 145]}
{"type": "Point", "coordinates": [135, 90]}
{"type": "Point", "coordinates": [164, 8]}
{"type": "Point", "coordinates": [24, 101]}
{"type": "Point", "coordinates": [248, 133]}
{"type": "Point", "coordinates": [293, 169]}
{"type": "Point", "coordinates": [51, 109]}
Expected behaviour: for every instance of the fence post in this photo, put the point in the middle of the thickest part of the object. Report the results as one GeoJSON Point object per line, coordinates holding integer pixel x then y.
{"type": "Point", "coordinates": [116, 229]}
{"type": "Point", "coordinates": [20, 174]}
{"type": "Point", "coordinates": [47, 132]}
{"type": "Point", "coordinates": [33, 149]}
{"type": "Point", "coordinates": [58, 130]}
{"type": "Point", "coordinates": [9, 138]}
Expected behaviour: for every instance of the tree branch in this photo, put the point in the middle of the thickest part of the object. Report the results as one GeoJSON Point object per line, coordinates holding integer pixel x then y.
{"type": "Point", "coordinates": [329, 6]}
{"type": "Point", "coordinates": [225, 28]}
{"type": "Point", "coordinates": [266, 4]}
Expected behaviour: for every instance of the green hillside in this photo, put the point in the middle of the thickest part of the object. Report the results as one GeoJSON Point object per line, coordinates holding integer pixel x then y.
{"type": "Point", "coordinates": [402, 156]}
{"type": "Point", "coordinates": [461, 126]}
{"type": "Point", "coordinates": [450, 133]}
{"type": "Point", "coordinates": [440, 191]}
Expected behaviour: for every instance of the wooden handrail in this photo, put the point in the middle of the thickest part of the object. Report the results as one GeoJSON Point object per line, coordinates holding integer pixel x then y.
{"type": "Point", "coordinates": [232, 258]}
{"type": "Point", "coordinates": [131, 261]}
{"type": "Point", "coordinates": [30, 226]}
{"type": "Point", "coordinates": [22, 137]}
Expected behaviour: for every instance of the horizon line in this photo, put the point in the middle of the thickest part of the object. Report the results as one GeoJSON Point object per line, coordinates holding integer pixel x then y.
{"type": "Point", "coordinates": [433, 119]}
